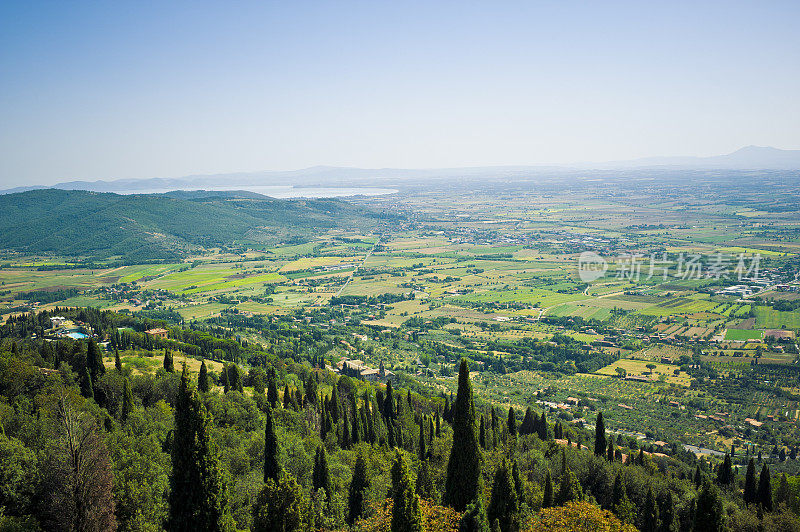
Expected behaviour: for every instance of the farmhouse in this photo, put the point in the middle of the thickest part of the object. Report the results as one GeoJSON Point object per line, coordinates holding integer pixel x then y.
{"type": "Point", "coordinates": [158, 332]}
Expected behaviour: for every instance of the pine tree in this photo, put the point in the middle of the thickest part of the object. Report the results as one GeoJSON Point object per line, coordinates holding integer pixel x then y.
{"type": "Point", "coordinates": [321, 477]}
{"type": "Point", "coordinates": [406, 515]}
{"type": "Point", "coordinates": [271, 467]}
{"type": "Point", "coordinates": [169, 364]}
{"type": "Point", "coordinates": [547, 499]}
{"type": "Point", "coordinates": [504, 503]}
{"type": "Point", "coordinates": [512, 422]}
{"type": "Point", "coordinates": [117, 361]}
{"type": "Point", "coordinates": [202, 378]}
{"type": "Point", "coordinates": [600, 436]}
{"type": "Point", "coordinates": [764, 495]}
{"type": "Point", "coordinates": [463, 467]}
{"type": "Point", "coordinates": [709, 515]}
{"type": "Point", "coordinates": [127, 401]}
{"type": "Point", "coordinates": [358, 487]}
{"type": "Point", "coordinates": [650, 518]}
{"type": "Point", "coordinates": [198, 498]}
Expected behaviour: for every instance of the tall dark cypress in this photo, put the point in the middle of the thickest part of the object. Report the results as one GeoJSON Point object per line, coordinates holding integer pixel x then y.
{"type": "Point", "coordinates": [423, 451]}
{"type": "Point", "coordinates": [117, 361]}
{"type": "Point", "coordinates": [198, 498]}
{"type": "Point", "coordinates": [482, 434]}
{"type": "Point", "coordinates": [271, 467]}
{"type": "Point", "coordinates": [668, 515]}
{"type": "Point", "coordinates": [272, 390]}
{"type": "Point", "coordinates": [94, 361]}
{"type": "Point", "coordinates": [127, 401]}
{"type": "Point", "coordinates": [650, 518]}
{"type": "Point", "coordinates": [709, 515]}
{"type": "Point", "coordinates": [463, 467]}
{"type": "Point", "coordinates": [202, 378]}
{"type": "Point", "coordinates": [547, 499]}
{"type": "Point", "coordinates": [512, 422]}
{"type": "Point", "coordinates": [287, 397]}
{"type": "Point", "coordinates": [725, 473]}
{"type": "Point", "coordinates": [355, 431]}
{"type": "Point", "coordinates": [528, 425]}
{"type": "Point", "coordinates": [543, 432]}
{"type": "Point", "coordinates": [600, 436]}
{"type": "Point", "coordinates": [504, 503]}
{"type": "Point", "coordinates": [321, 477]}
{"type": "Point", "coordinates": [358, 486]}
{"type": "Point", "coordinates": [169, 363]}
{"type": "Point", "coordinates": [764, 495]}
{"type": "Point", "coordinates": [406, 514]}
{"type": "Point", "coordinates": [388, 402]}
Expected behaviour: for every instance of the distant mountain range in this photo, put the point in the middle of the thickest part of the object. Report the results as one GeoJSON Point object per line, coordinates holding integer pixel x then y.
{"type": "Point", "coordinates": [141, 227]}
{"type": "Point", "coordinates": [747, 158]}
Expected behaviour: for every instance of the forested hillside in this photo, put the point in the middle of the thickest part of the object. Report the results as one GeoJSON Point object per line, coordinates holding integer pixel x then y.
{"type": "Point", "coordinates": [151, 227]}
{"type": "Point", "coordinates": [267, 437]}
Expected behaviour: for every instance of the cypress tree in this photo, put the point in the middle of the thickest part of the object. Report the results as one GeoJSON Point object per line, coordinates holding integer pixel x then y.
{"type": "Point", "coordinates": [431, 430]}
{"type": "Point", "coordinates": [406, 515]}
{"type": "Point", "coordinates": [388, 403]}
{"type": "Point", "coordinates": [169, 364]}
{"type": "Point", "coordinates": [600, 436]}
{"type": "Point", "coordinates": [698, 477]}
{"type": "Point", "coordinates": [355, 432]}
{"type": "Point", "coordinates": [543, 428]}
{"type": "Point", "coordinates": [765, 489]}
{"type": "Point", "coordinates": [202, 378]}
{"type": "Point", "coordinates": [272, 390]}
{"type": "Point", "coordinates": [311, 390]}
{"type": "Point", "coordinates": [709, 515]}
{"type": "Point", "coordinates": [321, 477]}
{"type": "Point", "coordinates": [527, 426]}
{"type": "Point", "coordinates": [425, 487]}
{"type": "Point", "coordinates": [235, 378]}
{"type": "Point", "coordinates": [117, 361]}
{"type": "Point", "coordinates": [423, 451]}
{"type": "Point", "coordinates": [547, 499]}
{"type": "Point", "coordinates": [358, 486]}
{"type": "Point", "coordinates": [226, 382]}
{"type": "Point", "coordinates": [287, 397]}
{"type": "Point", "coordinates": [512, 422]}
{"type": "Point", "coordinates": [198, 498]}
{"type": "Point", "coordinates": [668, 514]}
{"type": "Point", "coordinates": [271, 467]}
{"type": "Point", "coordinates": [482, 434]}
{"type": "Point", "coordinates": [334, 404]}
{"type": "Point", "coordinates": [463, 467]}
{"type": "Point", "coordinates": [570, 488]}
{"type": "Point", "coordinates": [610, 454]}
{"type": "Point", "coordinates": [94, 361]}
{"type": "Point", "coordinates": [504, 503]}
{"type": "Point", "coordinates": [346, 441]}
{"type": "Point", "coordinates": [782, 493]}
{"type": "Point", "coordinates": [127, 401]}
{"type": "Point", "coordinates": [725, 471]}
{"type": "Point", "coordinates": [87, 387]}
{"type": "Point", "coordinates": [438, 425]}
{"type": "Point", "coordinates": [650, 518]}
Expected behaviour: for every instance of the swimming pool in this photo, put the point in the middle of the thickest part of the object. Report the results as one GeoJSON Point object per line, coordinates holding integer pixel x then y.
{"type": "Point", "coordinates": [77, 335]}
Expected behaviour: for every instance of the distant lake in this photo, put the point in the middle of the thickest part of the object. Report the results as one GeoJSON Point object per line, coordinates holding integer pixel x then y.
{"type": "Point", "coordinates": [283, 192]}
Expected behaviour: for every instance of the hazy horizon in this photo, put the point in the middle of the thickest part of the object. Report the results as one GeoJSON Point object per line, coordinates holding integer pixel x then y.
{"type": "Point", "coordinates": [109, 91]}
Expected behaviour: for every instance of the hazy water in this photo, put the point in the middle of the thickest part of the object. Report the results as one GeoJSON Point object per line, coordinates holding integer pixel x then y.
{"type": "Point", "coordinates": [283, 192]}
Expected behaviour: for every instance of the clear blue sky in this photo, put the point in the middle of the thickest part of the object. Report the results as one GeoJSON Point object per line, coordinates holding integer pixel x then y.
{"type": "Point", "coordinates": [105, 90]}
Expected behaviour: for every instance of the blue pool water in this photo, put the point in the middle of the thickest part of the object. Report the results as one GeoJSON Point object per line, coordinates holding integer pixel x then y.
{"type": "Point", "coordinates": [77, 335]}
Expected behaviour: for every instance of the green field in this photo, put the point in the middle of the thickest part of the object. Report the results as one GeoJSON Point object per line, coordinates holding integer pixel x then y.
{"type": "Point", "coordinates": [743, 334]}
